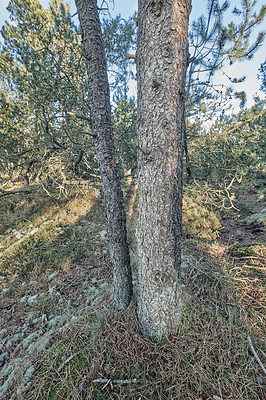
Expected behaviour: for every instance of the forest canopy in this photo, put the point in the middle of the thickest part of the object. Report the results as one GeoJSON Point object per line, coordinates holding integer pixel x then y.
{"type": "Point", "coordinates": [45, 109]}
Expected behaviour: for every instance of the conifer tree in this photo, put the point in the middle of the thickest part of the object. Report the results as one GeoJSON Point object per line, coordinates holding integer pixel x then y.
{"type": "Point", "coordinates": [101, 123]}
{"type": "Point", "coordinates": [161, 67]}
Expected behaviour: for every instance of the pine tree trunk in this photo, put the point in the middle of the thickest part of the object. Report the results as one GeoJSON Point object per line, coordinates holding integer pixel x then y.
{"type": "Point", "coordinates": [161, 67]}
{"type": "Point", "coordinates": [101, 125]}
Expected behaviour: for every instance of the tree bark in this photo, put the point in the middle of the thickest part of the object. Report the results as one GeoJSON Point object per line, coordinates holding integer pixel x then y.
{"type": "Point", "coordinates": [101, 125]}
{"type": "Point", "coordinates": [162, 58]}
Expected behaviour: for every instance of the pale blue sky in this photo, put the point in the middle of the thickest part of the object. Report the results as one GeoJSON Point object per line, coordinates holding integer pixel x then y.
{"type": "Point", "coordinates": [249, 68]}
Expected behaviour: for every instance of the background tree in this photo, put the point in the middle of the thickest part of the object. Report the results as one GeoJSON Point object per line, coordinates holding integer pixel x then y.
{"type": "Point", "coordinates": [42, 62]}
{"type": "Point", "coordinates": [214, 45]}
{"type": "Point", "coordinates": [262, 75]}
{"type": "Point", "coordinates": [124, 121]}
{"type": "Point", "coordinates": [44, 93]}
{"type": "Point", "coordinates": [161, 67]}
{"type": "Point", "coordinates": [232, 150]}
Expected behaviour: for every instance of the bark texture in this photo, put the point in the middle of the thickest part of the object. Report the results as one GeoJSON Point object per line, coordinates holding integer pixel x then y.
{"type": "Point", "coordinates": [101, 125]}
{"type": "Point", "coordinates": [161, 67]}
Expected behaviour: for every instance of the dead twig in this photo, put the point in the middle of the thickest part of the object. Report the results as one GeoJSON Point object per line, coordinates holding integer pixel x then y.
{"type": "Point", "coordinates": [7, 193]}
{"type": "Point", "coordinates": [115, 381]}
{"type": "Point", "coordinates": [220, 391]}
{"type": "Point", "coordinates": [253, 257]}
{"type": "Point", "coordinates": [253, 267]}
{"type": "Point", "coordinates": [7, 306]}
{"type": "Point", "coordinates": [256, 355]}
{"type": "Point", "coordinates": [67, 361]}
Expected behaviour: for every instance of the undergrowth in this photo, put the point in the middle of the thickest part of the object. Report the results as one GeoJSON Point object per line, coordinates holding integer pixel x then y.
{"type": "Point", "coordinates": [208, 357]}
{"type": "Point", "coordinates": [52, 235]}
{"type": "Point", "coordinates": [103, 355]}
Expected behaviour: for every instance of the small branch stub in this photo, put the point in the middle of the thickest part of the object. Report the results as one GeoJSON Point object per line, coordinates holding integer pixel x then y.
{"type": "Point", "coordinates": [129, 56]}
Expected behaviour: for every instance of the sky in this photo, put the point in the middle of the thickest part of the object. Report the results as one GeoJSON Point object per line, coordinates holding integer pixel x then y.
{"type": "Point", "coordinates": [250, 68]}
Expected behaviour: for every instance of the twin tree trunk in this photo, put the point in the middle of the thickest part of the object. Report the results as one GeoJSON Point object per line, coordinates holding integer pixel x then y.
{"type": "Point", "coordinates": [101, 125]}
{"type": "Point", "coordinates": [162, 59]}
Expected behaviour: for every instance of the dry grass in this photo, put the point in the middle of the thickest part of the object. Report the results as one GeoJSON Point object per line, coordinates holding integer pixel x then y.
{"type": "Point", "coordinates": [58, 241]}
{"type": "Point", "coordinates": [209, 358]}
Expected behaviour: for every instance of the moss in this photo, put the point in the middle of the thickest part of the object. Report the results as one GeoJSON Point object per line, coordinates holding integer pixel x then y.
{"type": "Point", "coordinates": [199, 221]}
{"type": "Point", "coordinates": [259, 218]}
{"type": "Point", "coordinates": [240, 250]}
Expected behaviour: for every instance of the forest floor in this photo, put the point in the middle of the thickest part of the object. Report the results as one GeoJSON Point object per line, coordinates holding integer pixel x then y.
{"type": "Point", "coordinates": [60, 337]}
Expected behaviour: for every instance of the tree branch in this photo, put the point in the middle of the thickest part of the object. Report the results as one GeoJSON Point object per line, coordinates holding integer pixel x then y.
{"type": "Point", "coordinates": [7, 193]}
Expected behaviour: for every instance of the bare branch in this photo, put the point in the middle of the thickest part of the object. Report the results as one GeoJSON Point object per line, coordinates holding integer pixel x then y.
{"type": "Point", "coordinates": [129, 56]}
{"type": "Point", "coordinates": [7, 193]}
{"type": "Point", "coordinates": [74, 115]}
{"type": "Point", "coordinates": [89, 133]}
{"type": "Point", "coordinates": [118, 381]}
